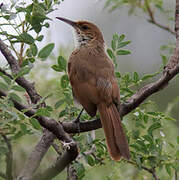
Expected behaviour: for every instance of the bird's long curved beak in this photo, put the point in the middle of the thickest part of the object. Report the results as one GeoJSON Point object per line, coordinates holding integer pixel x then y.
{"type": "Point", "coordinates": [72, 23]}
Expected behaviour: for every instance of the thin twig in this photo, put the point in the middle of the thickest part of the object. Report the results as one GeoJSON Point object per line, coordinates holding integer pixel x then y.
{"type": "Point", "coordinates": [36, 155]}
{"type": "Point", "coordinates": [21, 48]}
{"type": "Point", "coordinates": [153, 21]}
{"type": "Point", "coordinates": [62, 162]}
{"type": "Point", "coordinates": [152, 170]}
{"type": "Point", "coordinates": [176, 175]}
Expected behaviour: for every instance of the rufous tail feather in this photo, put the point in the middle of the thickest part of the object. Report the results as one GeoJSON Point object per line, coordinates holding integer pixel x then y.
{"type": "Point", "coordinates": [115, 137]}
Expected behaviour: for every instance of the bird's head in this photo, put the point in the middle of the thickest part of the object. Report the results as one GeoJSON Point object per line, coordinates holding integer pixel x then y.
{"type": "Point", "coordinates": [85, 32]}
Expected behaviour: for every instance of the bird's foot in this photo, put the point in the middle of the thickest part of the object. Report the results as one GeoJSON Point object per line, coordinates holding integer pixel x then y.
{"type": "Point", "coordinates": [67, 145]}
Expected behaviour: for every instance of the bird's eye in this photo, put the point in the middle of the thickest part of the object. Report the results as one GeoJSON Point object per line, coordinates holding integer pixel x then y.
{"type": "Point", "coordinates": [84, 27]}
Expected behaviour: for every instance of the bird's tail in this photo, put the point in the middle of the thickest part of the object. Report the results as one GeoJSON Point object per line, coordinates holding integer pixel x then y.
{"type": "Point", "coordinates": [115, 137]}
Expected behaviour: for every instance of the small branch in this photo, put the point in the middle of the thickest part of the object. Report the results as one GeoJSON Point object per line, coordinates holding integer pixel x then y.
{"type": "Point", "coordinates": [152, 171]}
{"type": "Point", "coordinates": [148, 90]}
{"type": "Point", "coordinates": [58, 166]}
{"type": "Point", "coordinates": [153, 21]}
{"type": "Point", "coordinates": [176, 175]}
{"type": "Point", "coordinates": [9, 158]}
{"type": "Point", "coordinates": [36, 155]}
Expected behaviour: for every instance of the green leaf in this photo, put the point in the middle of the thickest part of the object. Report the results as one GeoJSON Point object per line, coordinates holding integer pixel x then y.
{"type": "Point", "coordinates": [62, 63]}
{"type": "Point", "coordinates": [176, 166]}
{"type": "Point", "coordinates": [145, 118]}
{"type": "Point", "coordinates": [136, 77]}
{"type": "Point", "coordinates": [3, 86]}
{"type": "Point", "coordinates": [177, 154]}
{"type": "Point", "coordinates": [123, 52]}
{"type": "Point", "coordinates": [6, 78]}
{"type": "Point", "coordinates": [23, 127]}
{"type": "Point", "coordinates": [153, 127]}
{"type": "Point", "coordinates": [18, 135]}
{"type": "Point", "coordinates": [118, 74]}
{"type": "Point", "coordinates": [64, 81]}
{"type": "Point", "coordinates": [29, 52]}
{"type": "Point", "coordinates": [122, 44]}
{"type": "Point", "coordinates": [90, 160]}
{"type": "Point", "coordinates": [15, 97]}
{"type": "Point", "coordinates": [35, 123]}
{"type": "Point", "coordinates": [3, 150]}
{"type": "Point", "coordinates": [56, 68]}
{"type": "Point", "coordinates": [121, 38]}
{"type": "Point", "coordinates": [178, 139]}
{"type": "Point", "coordinates": [47, 25]}
{"type": "Point", "coordinates": [45, 51]}
{"type": "Point", "coordinates": [110, 53]}
{"type": "Point", "coordinates": [113, 45]}
{"type": "Point", "coordinates": [42, 112]}
{"type": "Point", "coordinates": [148, 76]}
{"type": "Point", "coordinates": [24, 37]}
{"type": "Point", "coordinates": [62, 113]}
{"type": "Point", "coordinates": [115, 37]}
{"type": "Point", "coordinates": [40, 38]}
{"type": "Point", "coordinates": [23, 71]}
{"type": "Point", "coordinates": [31, 59]}
{"type": "Point", "coordinates": [18, 88]}
{"type": "Point", "coordinates": [38, 17]}
{"type": "Point", "coordinates": [164, 60]}
{"type": "Point", "coordinates": [79, 167]}
{"type": "Point", "coordinates": [59, 103]}
{"type": "Point", "coordinates": [34, 49]}
{"type": "Point", "coordinates": [148, 138]}
{"type": "Point", "coordinates": [135, 134]}
{"type": "Point", "coordinates": [168, 169]}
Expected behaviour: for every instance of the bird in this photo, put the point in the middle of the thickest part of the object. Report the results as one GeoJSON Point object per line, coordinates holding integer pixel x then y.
{"type": "Point", "coordinates": [94, 85]}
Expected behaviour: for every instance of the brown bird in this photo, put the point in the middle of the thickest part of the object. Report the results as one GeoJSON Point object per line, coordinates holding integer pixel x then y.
{"type": "Point", "coordinates": [94, 85]}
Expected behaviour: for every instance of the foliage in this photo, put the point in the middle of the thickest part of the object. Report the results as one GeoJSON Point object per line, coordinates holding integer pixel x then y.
{"type": "Point", "coordinates": [150, 148]}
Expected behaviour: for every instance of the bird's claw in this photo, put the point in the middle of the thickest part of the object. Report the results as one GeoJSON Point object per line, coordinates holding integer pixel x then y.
{"type": "Point", "coordinates": [67, 145]}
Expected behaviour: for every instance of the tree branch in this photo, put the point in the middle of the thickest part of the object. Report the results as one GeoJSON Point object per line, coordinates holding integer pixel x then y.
{"type": "Point", "coordinates": [153, 21]}
{"type": "Point", "coordinates": [9, 158]}
{"type": "Point", "coordinates": [58, 167]}
{"type": "Point", "coordinates": [29, 87]}
{"type": "Point", "coordinates": [36, 155]}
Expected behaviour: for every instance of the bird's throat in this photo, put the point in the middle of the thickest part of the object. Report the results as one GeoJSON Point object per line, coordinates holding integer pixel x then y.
{"type": "Point", "coordinates": [80, 39]}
